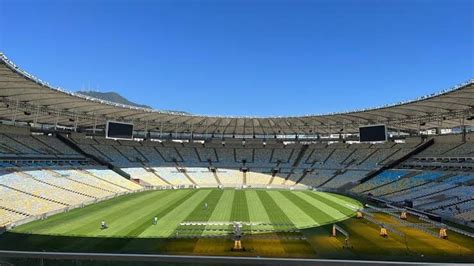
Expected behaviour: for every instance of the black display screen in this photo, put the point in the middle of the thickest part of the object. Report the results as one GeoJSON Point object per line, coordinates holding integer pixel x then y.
{"type": "Point", "coordinates": [117, 130]}
{"type": "Point", "coordinates": [373, 133]}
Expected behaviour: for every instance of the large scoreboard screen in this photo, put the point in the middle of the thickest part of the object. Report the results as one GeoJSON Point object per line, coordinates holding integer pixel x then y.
{"type": "Point", "coordinates": [119, 130]}
{"type": "Point", "coordinates": [373, 133]}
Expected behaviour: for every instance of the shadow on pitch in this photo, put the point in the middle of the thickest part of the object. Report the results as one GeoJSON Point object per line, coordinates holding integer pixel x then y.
{"type": "Point", "coordinates": [52, 243]}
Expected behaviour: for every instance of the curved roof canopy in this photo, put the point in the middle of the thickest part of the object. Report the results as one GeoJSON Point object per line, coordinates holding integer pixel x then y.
{"type": "Point", "coordinates": [26, 98]}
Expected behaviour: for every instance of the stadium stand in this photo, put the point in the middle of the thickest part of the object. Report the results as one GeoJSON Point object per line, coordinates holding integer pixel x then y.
{"type": "Point", "coordinates": [25, 183]}
{"type": "Point", "coordinates": [405, 183]}
{"type": "Point", "coordinates": [163, 164]}
{"type": "Point", "coordinates": [8, 217]}
{"type": "Point", "coordinates": [383, 178]}
{"type": "Point", "coordinates": [146, 175]}
{"type": "Point", "coordinates": [318, 176]}
{"type": "Point", "coordinates": [27, 203]}
{"type": "Point", "coordinates": [114, 178]}
{"type": "Point", "coordinates": [202, 176]}
{"type": "Point", "coordinates": [349, 176]}
{"type": "Point", "coordinates": [230, 177]}
{"type": "Point", "coordinates": [173, 176]}
{"type": "Point", "coordinates": [262, 176]}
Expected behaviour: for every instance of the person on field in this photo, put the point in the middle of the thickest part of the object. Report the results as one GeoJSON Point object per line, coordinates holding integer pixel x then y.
{"type": "Point", "coordinates": [103, 225]}
{"type": "Point", "coordinates": [205, 205]}
{"type": "Point", "coordinates": [155, 220]}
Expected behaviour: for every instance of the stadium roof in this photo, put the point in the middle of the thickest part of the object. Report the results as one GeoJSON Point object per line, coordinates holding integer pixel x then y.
{"type": "Point", "coordinates": [26, 98]}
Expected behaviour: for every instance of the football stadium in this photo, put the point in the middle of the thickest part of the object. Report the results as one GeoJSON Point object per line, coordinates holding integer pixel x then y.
{"type": "Point", "coordinates": [84, 179]}
{"type": "Point", "coordinates": [92, 178]}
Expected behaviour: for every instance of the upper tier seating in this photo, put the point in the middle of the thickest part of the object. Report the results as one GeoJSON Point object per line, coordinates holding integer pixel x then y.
{"type": "Point", "coordinates": [405, 183]}
{"type": "Point", "coordinates": [296, 175]}
{"type": "Point", "coordinates": [34, 146]}
{"type": "Point", "coordinates": [437, 149]}
{"type": "Point", "coordinates": [112, 153]}
{"type": "Point", "coordinates": [189, 155]}
{"type": "Point", "coordinates": [438, 187]}
{"type": "Point", "coordinates": [206, 154]}
{"type": "Point", "coordinates": [58, 146]}
{"type": "Point", "coordinates": [466, 149]}
{"type": "Point", "coordinates": [151, 154]}
{"type": "Point", "coordinates": [382, 178]}
{"type": "Point", "coordinates": [131, 153]}
{"type": "Point", "coordinates": [347, 177]}
{"type": "Point", "coordinates": [318, 177]}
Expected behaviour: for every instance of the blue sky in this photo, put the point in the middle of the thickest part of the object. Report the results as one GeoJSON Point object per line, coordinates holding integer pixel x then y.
{"type": "Point", "coordinates": [245, 57]}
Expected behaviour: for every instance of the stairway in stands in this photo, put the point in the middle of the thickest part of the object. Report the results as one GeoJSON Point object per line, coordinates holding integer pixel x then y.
{"type": "Point", "coordinates": [296, 163]}
{"type": "Point", "coordinates": [158, 176]}
{"type": "Point", "coordinates": [216, 177]}
{"type": "Point", "coordinates": [301, 178]}
{"type": "Point", "coordinates": [338, 172]}
{"type": "Point", "coordinates": [186, 175]}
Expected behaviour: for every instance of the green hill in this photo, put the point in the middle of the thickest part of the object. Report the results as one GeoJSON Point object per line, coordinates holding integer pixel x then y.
{"type": "Point", "coordinates": [112, 97]}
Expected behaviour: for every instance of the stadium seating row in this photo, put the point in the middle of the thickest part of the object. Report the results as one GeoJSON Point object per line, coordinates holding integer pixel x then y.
{"type": "Point", "coordinates": [27, 192]}
{"type": "Point", "coordinates": [156, 154]}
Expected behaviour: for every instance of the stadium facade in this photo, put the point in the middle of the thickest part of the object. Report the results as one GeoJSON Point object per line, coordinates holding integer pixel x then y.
{"type": "Point", "coordinates": [54, 156]}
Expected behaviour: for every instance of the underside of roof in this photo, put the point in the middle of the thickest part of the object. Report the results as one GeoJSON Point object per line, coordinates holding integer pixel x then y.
{"type": "Point", "coordinates": [25, 98]}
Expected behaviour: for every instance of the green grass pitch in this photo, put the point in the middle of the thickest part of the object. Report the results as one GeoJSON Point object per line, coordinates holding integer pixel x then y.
{"type": "Point", "coordinates": [131, 229]}
{"type": "Point", "coordinates": [132, 215]}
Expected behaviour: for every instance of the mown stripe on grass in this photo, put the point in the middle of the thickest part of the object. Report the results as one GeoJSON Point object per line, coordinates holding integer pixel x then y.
{"type": "Point", "coordinates": [276, 215]}
{"type": "Point", "coordinates": [336, 203]}
{"type": "Point", "coordinates": [298, 216]}
{"type": "Point", "coordinates": [257, 212]}
{"type": "Point", "coordinates": [311, 209]}
{"type": "Point", "coordinates": [273, 210]}
{"type": "Point", "coordinates": [223, 210]}
{"type": "Point", "coordinates": [331, 213]}
{"type": "Point", "coordinates": [240, 211]}
{"type": "Point", "coordinates": [168, 223]}
{"type": "Point", "coordinates": [346, 201]}
{"type": "Point", "coordinates": [201, 214]}
{"type": "Point", "coordinates": [142, 225]}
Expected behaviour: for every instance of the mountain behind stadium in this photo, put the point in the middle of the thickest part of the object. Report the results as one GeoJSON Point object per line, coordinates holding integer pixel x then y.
{"type": "Point", "coordinates": [112, 97]}
{"type": "Point", "coordinates": [117, 98]}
